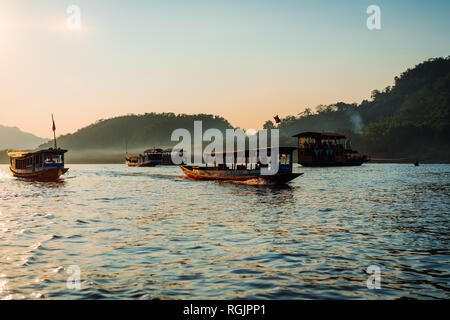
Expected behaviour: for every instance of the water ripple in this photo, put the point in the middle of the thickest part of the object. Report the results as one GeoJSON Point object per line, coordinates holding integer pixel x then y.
{"type": "Point", "coordinates": [150, 233]}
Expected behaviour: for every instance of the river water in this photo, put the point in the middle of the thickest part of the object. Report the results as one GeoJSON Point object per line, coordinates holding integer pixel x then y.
{"type": "Point", "coordinates": [145, 233]}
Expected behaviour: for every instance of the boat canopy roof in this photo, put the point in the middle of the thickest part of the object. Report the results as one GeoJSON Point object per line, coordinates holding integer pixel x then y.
{"type": "Point", "coordinates": [320, 135]}
{"type": "Point", "coordinates": [23, 154]}
{"type": "Point", "coordinates": [153, 150]}
{"type": "Point", "coordinates": [170, 150]}
{"type": "Point", "coordinates": [17, 154]}
{"type": "Point", "coordinates": [247, 151]}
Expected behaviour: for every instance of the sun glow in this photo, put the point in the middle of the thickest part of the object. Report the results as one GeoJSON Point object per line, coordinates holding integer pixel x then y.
{"type": "Point", "coordinates": [74, 17]}
{"type": "Point", "coordinates": [6, 25]}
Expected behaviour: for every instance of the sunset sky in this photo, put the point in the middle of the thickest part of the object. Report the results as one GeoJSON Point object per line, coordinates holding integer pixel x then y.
{"type": "Point", "coordinates": [245, 60]}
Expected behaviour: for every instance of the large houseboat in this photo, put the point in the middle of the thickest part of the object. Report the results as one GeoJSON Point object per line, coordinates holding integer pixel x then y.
{"type": "Point", "coordinates": [326, 149]}
{"type": "Point", "coordinates": [167, 156]}
{"type": "Point", "coordinates": [45, 164]}
{"type": "Point", "coordinates": [247, 170]}
{"type": "Point", "coordinates": [150, 158]}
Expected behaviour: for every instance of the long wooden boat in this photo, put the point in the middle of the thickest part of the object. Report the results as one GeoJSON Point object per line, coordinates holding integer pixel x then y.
{"type": "Point", "coordinates": [203, 173]}
{"type": "Point", "coordinates": [150, 158]}
{"type": "Point", "coordinates": [246, 171]}
{"type": "Point", "coordinates": [46, 165]}
{"type": "Point", "coordinates": [327, 149]}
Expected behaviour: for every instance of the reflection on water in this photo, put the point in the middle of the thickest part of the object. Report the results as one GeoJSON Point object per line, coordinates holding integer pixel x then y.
{"type": "Point", "coordinates": [151, 233]}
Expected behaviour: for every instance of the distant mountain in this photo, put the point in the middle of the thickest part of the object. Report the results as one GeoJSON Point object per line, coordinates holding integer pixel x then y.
{"type": "Point", "coordinates": [106, 140]}
{"type": "Point", "coordinates": [14, 138]}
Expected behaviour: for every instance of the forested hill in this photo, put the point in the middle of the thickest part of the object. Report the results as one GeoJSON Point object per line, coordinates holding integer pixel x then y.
{"type": "Point", "coordinates": [410, 120]}
{"type": "Point", "coordinates": [106, 140]}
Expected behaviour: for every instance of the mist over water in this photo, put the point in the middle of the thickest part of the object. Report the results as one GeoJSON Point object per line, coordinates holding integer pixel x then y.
{"type": "Point", "coordinates": [143, 233]}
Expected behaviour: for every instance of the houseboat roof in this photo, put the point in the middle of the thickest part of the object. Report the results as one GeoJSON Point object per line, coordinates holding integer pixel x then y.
{"type": "Point", "coordinates": [153, 150]}
{"type": "Point", "coordinates": [170, 150]}
{"type": "Point", "coordinates": [247, 151]}
{"type": "Point", "coordinates": [22, 154]}
{"type": "Point", "coordinates": [320, 135]}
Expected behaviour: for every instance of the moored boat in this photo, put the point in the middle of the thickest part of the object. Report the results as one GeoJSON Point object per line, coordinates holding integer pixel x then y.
{"type": "Point", "coordinates": [247, 170]}
{"type": "Point", "coordinates": [150, 158]}
{"type": "Point", "coordinates": [167, 156]}
{"type": "Point", "coordinates": [326, 149]}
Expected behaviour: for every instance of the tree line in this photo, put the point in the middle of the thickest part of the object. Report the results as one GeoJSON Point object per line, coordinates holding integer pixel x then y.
{"type": "Point", "coordinates": [410, 119]}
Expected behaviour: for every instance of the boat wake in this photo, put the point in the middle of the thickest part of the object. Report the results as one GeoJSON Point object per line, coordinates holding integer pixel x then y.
{"type": "Point", "coordinates": [254, 182]}
{"type": "Point", "coordinates": [5, 175]}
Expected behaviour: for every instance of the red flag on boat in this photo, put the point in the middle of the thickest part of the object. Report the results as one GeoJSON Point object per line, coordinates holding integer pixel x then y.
{"type": "Point", "coordinates": [277, 119]}
{"type": "Point", "coordinates": [54, 131]}
{"type": "Point", "coordinates": [53, 127]}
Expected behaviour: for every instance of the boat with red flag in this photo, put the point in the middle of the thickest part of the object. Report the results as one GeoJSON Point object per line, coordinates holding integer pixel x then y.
{"type": "Point", "coordinates": [247, 169]}
{"type": "Point", "coordinates": [45, 165]}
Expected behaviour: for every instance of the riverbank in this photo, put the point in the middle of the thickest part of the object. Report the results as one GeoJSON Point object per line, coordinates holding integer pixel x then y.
{"type": "Point", "coordinates": [82, 157]}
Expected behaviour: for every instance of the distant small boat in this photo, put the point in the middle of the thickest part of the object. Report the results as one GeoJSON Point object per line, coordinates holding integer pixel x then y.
{"type": "Point", "coordinates": [47, 165]}
{"type": "Point", "coordinates": [150, 158]}
{"type": "Point", "coordinates": [167, 156]}
{"type": "Point", "coordinates": [247, 171]}
{"type": "Point", "coordinates": [416, 163]}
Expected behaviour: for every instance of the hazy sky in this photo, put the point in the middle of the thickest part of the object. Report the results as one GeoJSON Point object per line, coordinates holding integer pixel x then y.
{"type": "Point", "coordinates": [246, 60]}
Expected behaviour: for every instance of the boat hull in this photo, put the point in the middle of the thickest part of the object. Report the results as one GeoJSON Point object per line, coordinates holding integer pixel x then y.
{"type": "Point", "coordinates": [144, 164]}
{"type": "Point", "coordinates": [350, 163]}
{"type": "Point", "coordinates": [44, 175]}
{"type": "Point", "coordinates": [237, 175]}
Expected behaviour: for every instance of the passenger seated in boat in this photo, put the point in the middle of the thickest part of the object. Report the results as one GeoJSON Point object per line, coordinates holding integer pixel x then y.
{"type": "Point", "coordinates": [50, 160]}
{"type": "Point", "coordinates": [261, 165]}
{"type": "Point", "coordinates": [222, 166]}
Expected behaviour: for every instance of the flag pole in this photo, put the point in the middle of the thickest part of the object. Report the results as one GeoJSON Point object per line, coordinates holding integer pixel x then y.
{"type": "Point", "coordinates": [54, 131]}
